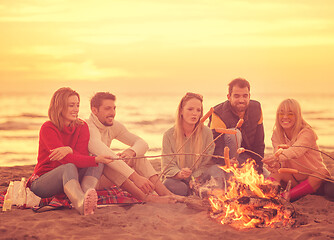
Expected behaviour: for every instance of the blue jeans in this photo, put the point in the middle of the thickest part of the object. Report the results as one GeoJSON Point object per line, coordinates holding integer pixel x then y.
{"type": "Point", "coordinates": [52, 182]}
{"type": "Point", "coordinates": [233, 142]}
{"type": "Point", "coordinates": [181, 187]}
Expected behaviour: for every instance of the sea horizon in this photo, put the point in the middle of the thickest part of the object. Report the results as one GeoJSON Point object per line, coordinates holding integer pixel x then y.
{"type": "Point", "coordinates": [147, 114]}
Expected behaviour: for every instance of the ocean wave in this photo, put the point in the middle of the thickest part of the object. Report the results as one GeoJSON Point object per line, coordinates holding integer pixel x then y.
{"type": "Point", "coordinates": [321, 118]}
{"type": "Point", "coordinates": [14, 125]}
{"type": "Point", "coordinates": [16, 153]}
{"type": "Point", "coordinates": [20, 137]}
{"type": "Point", "coordinates": [32, 115]}
{"type": "Point", "coordinates": [154, 122]}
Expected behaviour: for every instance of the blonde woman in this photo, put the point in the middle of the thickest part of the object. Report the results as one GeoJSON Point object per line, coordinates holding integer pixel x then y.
{"type": "Point", "coordinates": [297, 139]}
{"type": "Point", "coordinates": [63, 157]}
{"type": "Point", "coordinates": [181, 168]}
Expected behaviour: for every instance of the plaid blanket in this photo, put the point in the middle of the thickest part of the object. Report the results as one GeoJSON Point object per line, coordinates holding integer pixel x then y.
{"type": "Point", "coordinates": [112, 195]}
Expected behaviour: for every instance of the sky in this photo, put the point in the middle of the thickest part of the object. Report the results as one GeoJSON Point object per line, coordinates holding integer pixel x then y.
{"type": "Point", "coordinates": [199, 45]}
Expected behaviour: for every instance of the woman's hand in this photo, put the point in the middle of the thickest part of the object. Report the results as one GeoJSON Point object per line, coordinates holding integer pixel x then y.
{"type": "Point", "coordinates": [184, 173]}
{"type": "Point", "coordinates": [272, 163]}
{"type": "Point", "coordinates": [59, 153]}
{"type": "Point", "coordinates": [269, 159]}
{"type": "Point", "coordinates": [103, 159]}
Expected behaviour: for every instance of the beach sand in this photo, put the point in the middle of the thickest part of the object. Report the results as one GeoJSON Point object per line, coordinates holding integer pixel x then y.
{"type": "Point", "coordinates": [155, 220]}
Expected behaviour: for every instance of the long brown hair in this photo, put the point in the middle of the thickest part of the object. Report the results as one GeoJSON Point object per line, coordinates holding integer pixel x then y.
{"type": "Point", "coordinates": [290, 105]}
{"type": "Point", "coordinates": [197, 139]}
{"type": "Point", "coordinates": [58, 106]}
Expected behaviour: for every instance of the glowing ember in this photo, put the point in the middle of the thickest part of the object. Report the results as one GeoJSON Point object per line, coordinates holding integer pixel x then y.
{"type": "Point", "coordinates": [249, 201]}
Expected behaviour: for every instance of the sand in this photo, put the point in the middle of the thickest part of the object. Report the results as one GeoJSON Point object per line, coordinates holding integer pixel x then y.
{"type": "Point", "coordinates": [155, 220]}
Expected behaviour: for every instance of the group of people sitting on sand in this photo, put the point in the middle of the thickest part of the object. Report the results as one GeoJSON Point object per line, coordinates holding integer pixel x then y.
{"type": "Point", "coordinates": [75, 157]}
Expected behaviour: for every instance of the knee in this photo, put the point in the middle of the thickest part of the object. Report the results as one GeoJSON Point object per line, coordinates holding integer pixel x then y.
{"type": "Point", "coordinates": [70, 167]}
{"type": "Point", "coordinates": [177, 187]}
{"type": "Point", "coordinates": [70, 172]}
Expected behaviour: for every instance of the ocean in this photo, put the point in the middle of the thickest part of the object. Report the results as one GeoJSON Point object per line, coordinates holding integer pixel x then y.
{"type": "Point", "coordinates": [147, 114]}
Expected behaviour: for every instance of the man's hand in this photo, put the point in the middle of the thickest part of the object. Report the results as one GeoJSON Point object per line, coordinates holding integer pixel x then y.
{"type": "Point", "coordinates": [59, 153]}
{"type": "Point", "coordinates": [142, 183]}
{"type": "Point", "coordinates": [184, 173]}
{"type": "Point", "coordinates": [128, 153]}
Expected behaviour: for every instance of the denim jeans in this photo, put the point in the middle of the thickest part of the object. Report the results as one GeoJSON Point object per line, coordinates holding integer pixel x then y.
{"type": "Point", "coordinates": [181, 187]}
{"type": "Point", "coordinates": [52, 182]}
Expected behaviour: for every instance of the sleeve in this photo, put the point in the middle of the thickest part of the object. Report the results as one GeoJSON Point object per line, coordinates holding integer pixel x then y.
{"type": "Point", "coordinates": [136, 143]}
{"type": "Point", "coordinates": [97, 147]}
{"type": "Point", "coordinates": [51, 138]}
{"type": "Point", "coordinates": [170, 161]}
{"type": "Point", "coordinates": [307, 138]}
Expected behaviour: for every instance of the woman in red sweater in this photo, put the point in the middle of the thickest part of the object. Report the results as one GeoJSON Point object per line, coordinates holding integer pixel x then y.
{"type": "Point", "coordinates": [64, 165]}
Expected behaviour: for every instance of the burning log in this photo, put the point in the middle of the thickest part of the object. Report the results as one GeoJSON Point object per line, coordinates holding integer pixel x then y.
{"type": "Point", "coordinates": [250, 201]}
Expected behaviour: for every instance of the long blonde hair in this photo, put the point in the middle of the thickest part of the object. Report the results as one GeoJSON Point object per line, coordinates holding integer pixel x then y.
{"type": "Point", "coordinates": [291, 105]}
{"type": "Point", "coordinates": [196, 139]}
{"type": "Point", "coordinates": [58, 106]}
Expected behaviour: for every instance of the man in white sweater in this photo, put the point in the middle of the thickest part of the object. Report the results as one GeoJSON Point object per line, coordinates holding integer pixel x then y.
{"type": "Point", "coordinates": [137, 176]}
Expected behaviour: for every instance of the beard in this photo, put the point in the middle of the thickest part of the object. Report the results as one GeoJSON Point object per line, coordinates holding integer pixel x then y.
{"type": "Point", "coordinates": [240, 107]}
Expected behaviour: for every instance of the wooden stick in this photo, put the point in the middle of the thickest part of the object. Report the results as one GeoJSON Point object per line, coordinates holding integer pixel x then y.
{"type": "Point", "coordinates": [167, 155]}
{"type": "Point", "coordinates": [208, 114]}
{"type": "Point", "coordinates": [206, 149]}
{"type": "Point", "coordinates": [295, 171]}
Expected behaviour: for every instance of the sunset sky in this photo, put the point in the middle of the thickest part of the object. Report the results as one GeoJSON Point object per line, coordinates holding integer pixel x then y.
{"type": "Point", "coordinates": [278, 45]}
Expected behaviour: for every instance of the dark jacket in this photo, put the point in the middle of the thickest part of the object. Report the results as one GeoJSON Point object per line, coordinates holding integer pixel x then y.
{"type": "Point", "coordinates": [252, 128]}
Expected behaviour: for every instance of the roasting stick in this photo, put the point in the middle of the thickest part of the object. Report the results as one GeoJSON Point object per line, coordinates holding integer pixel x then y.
{"type": "Point", "coordinates": [167, 155]}
{"type": "Point", "coordinates": [221, 131]}
{"type": "Point", "coordinates": [295, 171]}
{"type": "Point", "coordinates": [280, 151]}
{"type": "Point", "coordinates": [241, 150]}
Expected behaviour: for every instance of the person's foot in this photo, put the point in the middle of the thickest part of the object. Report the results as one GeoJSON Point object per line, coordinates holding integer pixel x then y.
{"type": "Point", "coordinates": [90, 202]}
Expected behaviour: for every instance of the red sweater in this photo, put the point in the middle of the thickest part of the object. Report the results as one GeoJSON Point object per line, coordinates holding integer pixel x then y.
{"type": "Point", "coordinates": [75, 137]}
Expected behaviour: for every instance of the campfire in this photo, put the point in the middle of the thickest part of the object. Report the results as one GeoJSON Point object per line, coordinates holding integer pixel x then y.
{"type": "Point", "coordinates": [249, 201]}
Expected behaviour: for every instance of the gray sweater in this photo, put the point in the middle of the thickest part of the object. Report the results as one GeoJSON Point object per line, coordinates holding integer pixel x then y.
{"type": "Point", "coordinates": [168, 147]}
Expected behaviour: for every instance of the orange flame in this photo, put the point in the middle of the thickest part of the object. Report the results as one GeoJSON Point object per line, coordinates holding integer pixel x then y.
{"type": "Point", "coordinates": [246, 185]}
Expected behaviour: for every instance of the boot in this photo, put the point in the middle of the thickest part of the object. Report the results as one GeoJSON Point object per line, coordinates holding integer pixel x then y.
{"type": "Point", "coordinates": [88, 182]}
{"type": "Point", "coordinates": [302, 189]}
{"type": "Point", "coordinates": [84, 203]}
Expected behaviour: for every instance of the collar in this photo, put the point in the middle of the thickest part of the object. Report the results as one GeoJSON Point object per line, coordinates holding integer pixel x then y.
{"type": "Point", "coordinates": [97, 122]}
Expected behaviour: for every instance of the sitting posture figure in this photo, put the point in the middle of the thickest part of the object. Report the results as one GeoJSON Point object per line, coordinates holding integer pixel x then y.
{"type": "Point", "coordinates": [179, 169]}
{"type": "Point", "coordinates": [63, 158]}
{"type": "Point", "coordinates": [250, 135]}
{"type": "Point", "coordinates": [136, 176]}
{"type": "Point", "coordinates": [296, 139]}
